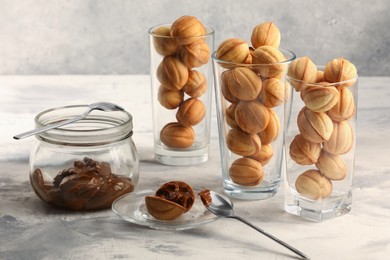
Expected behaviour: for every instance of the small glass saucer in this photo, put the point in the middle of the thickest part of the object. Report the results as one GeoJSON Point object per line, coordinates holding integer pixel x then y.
{"type": "Point", "coordinates": [131, 207]}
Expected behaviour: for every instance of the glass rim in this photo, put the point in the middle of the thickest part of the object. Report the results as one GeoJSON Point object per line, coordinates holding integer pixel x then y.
{"type": "Point", "coordinates": [111, 128]}
{"type": "Point", "coordinates": [328, 84]}
{"type": "Point", "coordinates": [224, 62]}
{"type": "Point", "coordinates": [209, 31]}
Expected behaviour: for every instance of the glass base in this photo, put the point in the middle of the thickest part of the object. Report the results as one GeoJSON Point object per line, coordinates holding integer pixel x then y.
{"type": "Point", "coordinates": [246, 193]}
{"type": "Point", "coordinates": [181, 158]}
{"type": "Point", "coordinates": [319, 211]}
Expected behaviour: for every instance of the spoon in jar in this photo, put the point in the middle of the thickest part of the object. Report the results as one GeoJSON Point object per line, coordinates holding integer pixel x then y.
{"type": "Point", "coordinates": [221, 206]}
{"type": "Point", "coordinates": [103, 106]}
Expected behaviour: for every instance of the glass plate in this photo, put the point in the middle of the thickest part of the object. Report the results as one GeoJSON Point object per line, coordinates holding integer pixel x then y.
{"type": "Point", "coordinates": [131, 207]}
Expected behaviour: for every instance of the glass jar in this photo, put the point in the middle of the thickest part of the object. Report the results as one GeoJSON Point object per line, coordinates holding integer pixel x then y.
{"type": "Point", "coordinates": [84, 165]}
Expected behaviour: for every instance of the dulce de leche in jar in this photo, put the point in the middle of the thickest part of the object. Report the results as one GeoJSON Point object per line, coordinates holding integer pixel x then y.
{"type": "Point", "coordinates": [84, 165]}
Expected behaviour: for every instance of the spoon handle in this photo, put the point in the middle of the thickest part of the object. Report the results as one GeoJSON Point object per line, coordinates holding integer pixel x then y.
{"type": "Point", "coordinates": [271, 236]}
{"type": "Point", "coordinates": [48, 127]}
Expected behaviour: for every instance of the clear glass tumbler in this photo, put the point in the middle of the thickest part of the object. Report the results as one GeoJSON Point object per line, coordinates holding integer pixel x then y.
{"type": "Point", "coordinates": [251, 102]}
{"type": "Point", "coordinates": [320, 148]}
{"type": "Point", "coordinates": [182, 81]}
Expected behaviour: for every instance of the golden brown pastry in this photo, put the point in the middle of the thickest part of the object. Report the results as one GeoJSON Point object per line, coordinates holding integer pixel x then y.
{"type": "Point", "coordinates": [251, 116]}
{"type": "Point", "coordinates": [242, 143]}
{"type": "Point", "coordinates": [269, 57]}
{"type": "Point", "coordinates": [304, 152]}
{"type": "Point", "coordinates": [176, 135]}
{"type": "Point", "coordinates": [195, 54]}
{"type": "Point", "coordinates": [345, 108]}
{"type": "Point", "coordinates": [187, 29]}
{"type": "Point", "coordinates": [170, 201]}
{"type": "Point", "coordinates": [191, 112]}
{"type": "Point", "coordinates": [316, 127]}
{"type": "Point", "coordinates": [320, 76]}
{"type": "Point", "coordinates": [233, 50]}
{"type": "Point", "coordinates": [265, 154]}
{"type": "Point", "coordinates": [172, 73]}
{"type": "Point", "coordinates": [243, 83]}
{"type": "Point", "coordinates": [164, 45]}
{"type": "Point", "coordinates": [225, 87]}
{"type": "Point", "coordinates": [248, 59]}
{"type": "Point", "coordinates": [230, 116]}
{"type": "Point", "coordinates": [320, 98]}
{"type": "Point", "coordinates": [301, 71]}
{"type": "Point", "coordinates": [196, 84]}
{"type": "Point", "coordinates": [273, 92]}
{"type": "Point", "coordinates": [265, 34]}
{"type": "Point", "coordinates": [170, 99]}
{"type": "Point", "coordinates": [246, 171]}
{"type": "Point", "coordinates": [271, 131]}
{"type": "Point", "coordinates": [332, 166]}
{"type": "Point", "coordinates": [341, 140]}
{"type": "Point", "coordinates": [340, 69]}
{"type": "Point", "coordinates": [313, 185]}
{"type": "Point", "coordinates": [163, 209]}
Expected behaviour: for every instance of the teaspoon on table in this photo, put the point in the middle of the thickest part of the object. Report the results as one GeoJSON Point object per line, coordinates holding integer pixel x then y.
{"type": "Point", "coordinates": [221, 206]}
{"type": "Point", "coordinates": [103, 106]}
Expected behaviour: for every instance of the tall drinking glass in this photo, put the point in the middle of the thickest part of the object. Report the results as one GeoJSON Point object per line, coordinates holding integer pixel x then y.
{"type": "Point", "coordinates": [182, 82]}
{"type": "Point", "coordinates": [320, 148]}
{"type": "Point", "coordinates": [251, 114]}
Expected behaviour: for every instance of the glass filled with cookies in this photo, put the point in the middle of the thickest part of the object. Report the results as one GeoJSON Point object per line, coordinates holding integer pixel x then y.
{"type": "Point", "coordinates": [251, 94]}
{"type": "Point", "coordinates": [182, 80]}
{"type": "Point", "coordinates": [320, 138]}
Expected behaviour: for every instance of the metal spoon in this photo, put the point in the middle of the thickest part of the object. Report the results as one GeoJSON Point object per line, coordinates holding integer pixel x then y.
{"type": "Point", "coordinates": [103, 106]}
{"type": "Point", "coordinates": [222, 206]}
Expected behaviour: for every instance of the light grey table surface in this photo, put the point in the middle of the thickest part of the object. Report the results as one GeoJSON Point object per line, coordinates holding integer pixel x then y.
{"type": "Point", "coordinates": [30, 229]}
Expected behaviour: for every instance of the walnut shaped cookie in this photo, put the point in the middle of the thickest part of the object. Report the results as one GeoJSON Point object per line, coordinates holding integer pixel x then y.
{"type": "Point", "coordinates": [170, 201]}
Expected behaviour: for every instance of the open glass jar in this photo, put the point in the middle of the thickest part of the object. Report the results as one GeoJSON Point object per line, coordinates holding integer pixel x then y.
{"type": "Point", "coordinates": [84, 165]}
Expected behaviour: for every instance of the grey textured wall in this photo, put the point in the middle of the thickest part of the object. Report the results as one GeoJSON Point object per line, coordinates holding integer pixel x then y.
{"type": "Point", "coordinates": [110, 37]}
